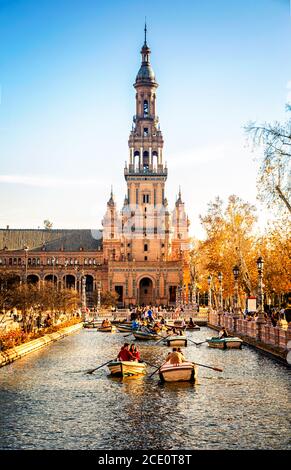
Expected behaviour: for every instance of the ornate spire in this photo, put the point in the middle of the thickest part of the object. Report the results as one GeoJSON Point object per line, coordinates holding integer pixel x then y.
{"type": "Point", "coordinates": [111, 200]}
{"type": "Point", "coordinates": [145, 32]}
{"type": "Point", "coordinates": [145, 74]}
{"type": "Point", "coordinates": [179, 200]}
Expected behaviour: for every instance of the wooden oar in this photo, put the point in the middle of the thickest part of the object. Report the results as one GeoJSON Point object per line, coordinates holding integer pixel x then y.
{"type": "Point", "coordinates": [158, 369]}
{"type": "Point", "coordinates": [197, 344]}
{"type": "Point", "coordinates": [149, 364]}
{"type": "Point", "coordinates": [208, 367]}
{"type": "Point", "coordinates": [127, 335]}
{"type": "Point", "coordinates": [99, 367]}
{"type": "Point", "coordinates": [164, 337]}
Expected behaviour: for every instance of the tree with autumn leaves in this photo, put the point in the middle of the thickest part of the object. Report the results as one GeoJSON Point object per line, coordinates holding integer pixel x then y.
{"type": "Point", "coordinates": [231, 239]}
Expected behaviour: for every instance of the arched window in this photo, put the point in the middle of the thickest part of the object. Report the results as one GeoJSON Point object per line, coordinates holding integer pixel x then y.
{"type": "Point", "coordinates": [145, 108]}
{"type": "Point", "coordinates": [155, 158]}
{"type": "Point", "coordinates": [145, 160]}
{"type": "Point", "coordinates": [136, 159]}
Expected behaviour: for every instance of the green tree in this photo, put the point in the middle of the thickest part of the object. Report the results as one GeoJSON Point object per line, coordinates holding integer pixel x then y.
{"type": "Point", "coordinates": [47, 224]}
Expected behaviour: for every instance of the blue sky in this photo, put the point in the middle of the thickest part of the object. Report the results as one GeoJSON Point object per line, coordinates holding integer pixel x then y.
{"type": "Point", "coordinates": [67, 100]}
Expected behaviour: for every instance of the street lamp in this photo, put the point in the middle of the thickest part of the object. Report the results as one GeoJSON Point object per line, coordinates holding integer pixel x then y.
{"type": "Point", "coordinates": [220, 277]}
{"type": "Point", "coordinates": [26, 253]}
{"type": "Point", "coordinates": [99, 296]}
{"type": "Point", "coordinates": [53, 263]}
{"type": "Point", "coordinates": [194, 300]}
{"type": "Point", "coordinates": [83, 294]}
{"type": "Point", "coordinates": [209, 279]}
{"type": "Point", "coordinates": [261, 318]}
{"type": "Point", "coordinates": [197, 300]}
{"type": "Point", "coordinates": [189, 295]}
{"type": "Point", "coordinates": [235, 271]}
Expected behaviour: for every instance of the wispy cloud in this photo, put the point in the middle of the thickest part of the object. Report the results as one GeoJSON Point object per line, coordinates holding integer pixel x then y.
{"type": "Point", "coordinates": [45, 181]}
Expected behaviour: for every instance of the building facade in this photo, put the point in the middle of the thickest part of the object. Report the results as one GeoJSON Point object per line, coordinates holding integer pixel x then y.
{"type": "Point", "coordinates": [142, 250]}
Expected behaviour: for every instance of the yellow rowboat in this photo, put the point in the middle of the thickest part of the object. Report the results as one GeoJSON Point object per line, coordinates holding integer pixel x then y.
{"type": "Point", "coordinates": [183, 372]}
{"type": "Point", "coordinates": [126, 368]}
{"type": "Point", "coordinates": [174, 341]}
{"type": "Point", "coordinates": [225, 343]}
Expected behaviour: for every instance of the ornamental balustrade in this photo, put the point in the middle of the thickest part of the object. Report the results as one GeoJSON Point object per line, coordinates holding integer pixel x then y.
{"type": "Point", "coordinates": [269, 334]}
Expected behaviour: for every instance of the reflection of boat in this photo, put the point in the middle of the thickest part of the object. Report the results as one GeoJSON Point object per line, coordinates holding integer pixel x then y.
{"type": "Point", "coordinates": [91, 324]}
{"type": "Point", "coordinates": [225, 343]}
{"type": "Point", "coordinates": [183, 372]}
{"type": "Point", "coordinates": [107, 329]}
{"type": "Point", "coordinates": [126, 368]}
{"type": "Point", "coordinates": [176, 341]}
{"type": "Point", "coordinates": [145, 335]}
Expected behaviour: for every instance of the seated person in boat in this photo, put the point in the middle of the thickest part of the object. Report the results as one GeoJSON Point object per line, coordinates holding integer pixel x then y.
{"type": "Point", "coordinates": [135, 352]}
{"type": "Point", "coordinates": [156, 327]}
{"type": "Point", "coordinates": [175, 357]}
{"type": "Point", "coordinates": [135, 324]}
{"type": "Point", "coordinates": [223, 333]}
{"type": "Point", "coordinates": [180, 351]}
{"type": "Point", "coordinates": [105, 323]}
{"type": "Point", "coordinates": [145, 329]}
{"type": "Point", "coordinates": [124, 354]}
{"type": "Point", "coordinates": [191, 323]}
{"type": "Point", "coordinates": [172, 331]}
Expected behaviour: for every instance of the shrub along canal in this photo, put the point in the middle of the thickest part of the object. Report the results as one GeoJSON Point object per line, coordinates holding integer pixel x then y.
{"type": "Point", "coordinates": [47, 400]}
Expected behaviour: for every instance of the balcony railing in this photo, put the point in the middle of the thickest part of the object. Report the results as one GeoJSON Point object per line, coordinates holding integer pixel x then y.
{"type": "Point", "coordinates": [145, 171]}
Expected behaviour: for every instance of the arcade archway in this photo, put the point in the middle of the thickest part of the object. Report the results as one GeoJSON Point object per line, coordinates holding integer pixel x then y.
{"type": "Point", "coordinates": [146, 291]}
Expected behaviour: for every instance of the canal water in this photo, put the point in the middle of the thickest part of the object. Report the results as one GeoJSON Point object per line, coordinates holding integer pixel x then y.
{"type": "Point", "coordinates": [48, 401]}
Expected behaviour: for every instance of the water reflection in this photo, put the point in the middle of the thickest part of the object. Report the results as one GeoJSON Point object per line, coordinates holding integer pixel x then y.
{"type": "Point", "coordinates": [48, 401]}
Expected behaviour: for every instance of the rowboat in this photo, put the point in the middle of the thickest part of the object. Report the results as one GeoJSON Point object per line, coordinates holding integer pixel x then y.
{"type": "Point", "coordinates": [174, 341]}
{"type": "Point", "coordinates": [91, 324]}
{"type": "Point", "coordinates": [195, 327]}
{"type": "Point", "coordinates": [178, 325]}
{"type": "Point", "coordinates": [107, 329]}
{"type": "Point", "coordinates": [125, 328]}
{"type": "Point", "coordinates": [144, 335]}
{"type": "Point", "coordinates": [126, 368]}
{"type": "Point", "coordinates": [225, 343]}
{"type": "Point", "coordinates": [183, 372]}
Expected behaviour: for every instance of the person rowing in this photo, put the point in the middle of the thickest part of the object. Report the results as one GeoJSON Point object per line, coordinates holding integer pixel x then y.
{"type": "Point", "coordinates": [223, 333]}
{"type": "Point", "coordinates": [176, 357]}
{"type": "Point", "coordinates": [191, 323]}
